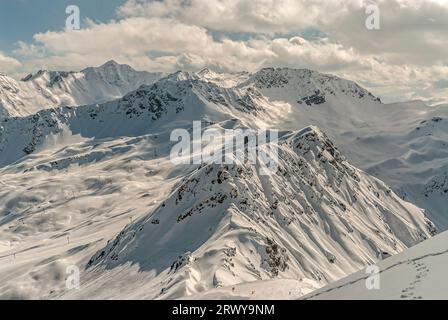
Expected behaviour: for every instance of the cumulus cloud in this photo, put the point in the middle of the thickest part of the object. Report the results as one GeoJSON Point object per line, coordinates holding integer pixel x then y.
{"type": "Point", "coordinates": [402, 60]}
{"type": "Point", "coordinates": [413, 31]}
{"type": "Point", "coordinates": [8, 64]}
{"type": "Point", "coordinates": [257, 16]}
{"type": "Point", "coordinates": [168, 45]}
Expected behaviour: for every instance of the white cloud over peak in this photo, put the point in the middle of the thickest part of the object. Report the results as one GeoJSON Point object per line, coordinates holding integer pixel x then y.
{"type": "Point", "coordinates": [8, 64]}
{"type": "Point", "coordinates": [405, 59]}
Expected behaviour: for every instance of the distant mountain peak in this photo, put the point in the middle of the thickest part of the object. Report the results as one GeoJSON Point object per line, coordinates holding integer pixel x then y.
{"type": "Point", "coordinates": [205, 70]}
{"type": "Point", "coordinates": [45, 89]}
{"type": "Point", "coordinates": [286, 69]}
{"type": "Point", "coordinates": [111, 63]}
{"type": "Point", "coordinates": [310, 87]}
{"type": "Point", "coordinates": [180, 76]}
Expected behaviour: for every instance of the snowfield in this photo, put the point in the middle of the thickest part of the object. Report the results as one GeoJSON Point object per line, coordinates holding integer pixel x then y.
{"type": "Point", "coordinates": [418, 273]}
{"type": "Point", "coordinates": [92, 186]}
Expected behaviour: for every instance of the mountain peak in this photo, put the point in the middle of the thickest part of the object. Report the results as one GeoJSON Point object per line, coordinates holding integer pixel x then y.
{"type": "Point", "coordinates": [309, 87]}
{"type": "Point", "coordinates": [180, 76]}
{"type": "Point", "coordinates": [110, 63]}
{"type": "Point", "coordinates": [33, 76]}
{"type": "Point", "coordinates": [287, 71]}
{"type": "Point", "coordinates": [204, 70]}
{"type": "Point", "coordinates": [270, 69]}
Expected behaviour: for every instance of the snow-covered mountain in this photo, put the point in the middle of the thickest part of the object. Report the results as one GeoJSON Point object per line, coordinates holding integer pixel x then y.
{"type": "Point", "coordinates": [172, 102]}
{"type": "Point", "coordinates": [93, 185]}
{"type": "Point", "coordinates": [318, 218]}
{"type": "Point", "coordinates": [403, 144]}
{"type": "Point", "coordinates": [47, 89]}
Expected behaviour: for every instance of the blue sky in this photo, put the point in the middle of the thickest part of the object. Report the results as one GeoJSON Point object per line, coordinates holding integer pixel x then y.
{"type": "Point", "coordinates": [21, 19]}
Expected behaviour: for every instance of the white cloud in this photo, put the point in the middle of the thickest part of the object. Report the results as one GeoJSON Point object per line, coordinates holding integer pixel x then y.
{"type": "Point", "coordinates": [8, 64]}
{"type": "Point", "coordinates": [179, 45]}
{"type": "Point", "coordinates": [419, 25]}
{"type": "Point", "coordinates": [257, 16]}
{"type": "Point", "coordinates": [407, 56]}
{"type": "Point", "coordinates": [29, 50]}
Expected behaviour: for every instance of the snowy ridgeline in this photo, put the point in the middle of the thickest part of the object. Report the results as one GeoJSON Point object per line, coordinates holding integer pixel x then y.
{"type": "Point", "coordinates": [73, 177]}
{"type": "Point", "coordinates": [49, 89]}
{"type": "Point", "coordinates": [403, 144]}
{"type": "Point", "coordinates": [317, 219]}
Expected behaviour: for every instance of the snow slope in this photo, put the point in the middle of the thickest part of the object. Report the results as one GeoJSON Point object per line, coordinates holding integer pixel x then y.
{"type": "Point", "coordinates": [51, 217]}
{"type": "Point", "coordinates": [417, 273]}
{"type": "Point", "coordinates": [47, 89]}
{"type": "Point", "coordinates": [318, 218]}
{"type": "Point", "coordinates": [403, 144]}
{"type": "Point", "coordinates": [93, 186]}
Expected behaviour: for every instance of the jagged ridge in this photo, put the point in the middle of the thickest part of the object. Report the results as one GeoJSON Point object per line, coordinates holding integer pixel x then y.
{"type": "Point", "coordinates": [317, 218]}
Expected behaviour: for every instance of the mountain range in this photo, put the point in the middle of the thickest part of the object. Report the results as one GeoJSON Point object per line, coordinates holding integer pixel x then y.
{"type": "Point", "coordinates": [87, 180]}
{"type": "Point", "coordinates": [47, 89]}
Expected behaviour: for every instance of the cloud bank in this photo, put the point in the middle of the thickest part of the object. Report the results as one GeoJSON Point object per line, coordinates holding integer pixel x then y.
{"type": "Point", "coordinates": [405, 59]}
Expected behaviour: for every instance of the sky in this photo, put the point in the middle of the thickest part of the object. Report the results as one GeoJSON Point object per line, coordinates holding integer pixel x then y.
{"type": "Point", "coordinates": [21, 19]}
{"type": "Point", "coordinates": [406, 59]}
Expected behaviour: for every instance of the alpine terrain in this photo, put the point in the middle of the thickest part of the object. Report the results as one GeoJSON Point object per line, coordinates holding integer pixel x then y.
{"type": "Point", "coordinates": [46, 89]}
{"type": "Point", "coordinates": [87, 182]}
